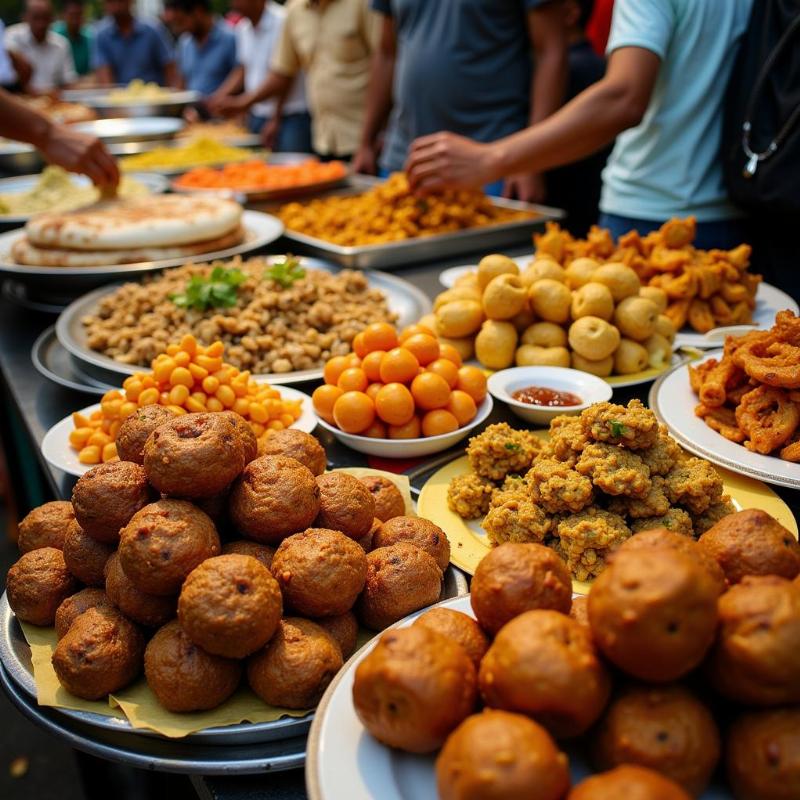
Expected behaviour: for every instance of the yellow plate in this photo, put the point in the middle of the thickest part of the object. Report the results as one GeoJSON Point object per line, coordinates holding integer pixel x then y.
{"type": "Point", "coordinates": [469, 542]}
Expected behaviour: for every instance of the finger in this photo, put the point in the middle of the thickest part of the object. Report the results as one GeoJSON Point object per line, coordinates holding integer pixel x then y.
{"type": "Point", "coordinates": [428, 141]}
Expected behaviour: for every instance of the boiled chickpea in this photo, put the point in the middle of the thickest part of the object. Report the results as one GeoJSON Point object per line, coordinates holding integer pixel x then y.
{"type": "Point", "coordinates": [622, 280]}
{"type": "Point", "coordinates": [459, 318]}
{"type": "Point", "coordinates": [593, 338]}
{"type": "Point", "coordinates": [579, 272]}
{"type": "Point", "coordinates": [657, 295]}
{"type": "Point", "coordinates": [504, 297]}
{"type": "Point", "coordinates": [592, 300]}
{"type": "Point", "coordinates": [602, 368]}
{"type": "Point", "coordinates": [491, 266]}
{"type": "Point", "coordinates": [529, 355]}
{"type": "Point", "coordinates": [659, 350]}
{"type": "Point", "coordinates": [495, 344]}
{"type": "Point", "coordinates": [550, 300]}
{"type": "Point", "coordinates": [666, 327]}
{"type": "Point", "coordinates": [457, 293]}
{"type": "Point", "coordinates": [545, 334]}
{"type": "Point", "coordinates": [630, 357]}
{"type": "Point", "coordinates": [636, 318]}
{"type": "Point", "coordinates": [543, 268]}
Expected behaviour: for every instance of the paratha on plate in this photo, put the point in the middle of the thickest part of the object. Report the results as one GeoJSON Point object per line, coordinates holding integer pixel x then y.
{"type": "Point", "coordinates": [160, 221]}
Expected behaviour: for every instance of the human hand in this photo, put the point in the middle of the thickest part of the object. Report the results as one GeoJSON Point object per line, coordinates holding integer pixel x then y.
{"type": "Point", "coordinates": [231, 105]}
{"type": "Point", "coordinates": [269, 133]}
{"type": "Point", "coordinates": [365, 161]}
{"type": "Point", "coordinates": [447, 161]}
{"type": "Point", "coordinates": [79, 152]}
{"type": "Point", "coordinates": [527, 187]}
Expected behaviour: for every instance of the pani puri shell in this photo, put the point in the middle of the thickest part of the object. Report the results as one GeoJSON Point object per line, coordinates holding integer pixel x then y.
{"type": "Point", "coordinates": [496, 344]}
{"type": "Point", "coordinates": [592, 300]}
{"type": "Point", "coordinates": [630, 357]}
{"type": "Point", "coordinates": [579, 272]}
{"type": "Point", "coordinates": [621, 279]}
{"type": "Point", "coordinates": [593, 338]}
{"type": "Point", "coordinates": [504, 297]}
{"type": "Point", "coordinates": [550, 300]}
{"type": "Point", "coordinates": [459, 318]}
{"type": "Point", "coordinates": [602, 368]}
{"type": "Point", "coordinates": [636, 318]}
{"type": "Point", "coordinates": [493, 265]}
{"type": "Point", "coordinates": [545, 334]}
{"type": "Point", "coordinates": [530, 355]}
{"type": "Point", "coordinates": [657, 295]}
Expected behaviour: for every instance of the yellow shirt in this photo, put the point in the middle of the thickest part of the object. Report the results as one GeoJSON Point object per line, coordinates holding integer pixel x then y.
{"type": "Point", "coordinates": [333, 43]}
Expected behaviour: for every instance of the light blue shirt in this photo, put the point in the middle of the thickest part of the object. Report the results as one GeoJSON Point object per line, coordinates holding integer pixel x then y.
{"type": "Point", "coordinates": [204, 67]}
{"type": "Point", "coordinates": [143, 53]}
{"type": "Point", "coordinates": [669, 164]}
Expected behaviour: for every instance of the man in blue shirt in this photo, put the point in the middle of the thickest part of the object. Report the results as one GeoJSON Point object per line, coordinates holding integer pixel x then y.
{"type": "Point", "coordinates": [206, 47]}
{"type": "Point", "coordinates": [126, 48]}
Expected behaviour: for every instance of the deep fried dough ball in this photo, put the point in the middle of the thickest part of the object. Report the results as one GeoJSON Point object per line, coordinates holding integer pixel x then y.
{"type": "Point", "coordinates": [151, 610]}
{"type": "Point", "coordinates": [273, 497]}
{"type": "Point", "coordinates": [514, 578]}
{"type": "Point", "coordinates": [183, 676]}
{"type": "Point", "coordinates": [495, 755]}
{"type": "Point", "coordinates": [230, 605]}
{"type": "Point", "coordinates": [756, 659]}
{"type": "Point", "coordinates": [164, 542]}
{"type": "Point", "coordinates": [751, 542]}
{"type": "Point", "coordinates": [320, 572]}
{"type": "Point", "coordinates": [135, 429]}
{"type": "Point", "coordinates": [579, 611]}
{"type": "Point", "coordinates": [389, 502]}
{"type": "Point", "coordinates": [245, 433]}
{"type": "Point", "coordinates": [459, 627]}
{"type": "Point", "coordinates": [422, 532]}
{"type": "Point", "coordinates": [344, 629]}
{"type": "Point", "coordinates": [299, 445]}
{"type": "Point", "coordinates": [85, 557]}
{"type": "Point", "coordinates": [544, 664]}
{"type": "Point", "coordinates": [414, 688]}
{"type": "Point", "coordinates": [365, 542]}
{"type": "Point", "coordinates": [345, 504]}
{"type": "Point", "coordinates": [629, 782]}
{"type": "Point", "coordinates": [74, 605]}
{"type": "Point", "coordinates": [194, 455]}
{"type": "Point", "coordinates": [763, 755]}
{"type": "Point", "coordinates": [261, 552]}
{"type": "Point", "coordinates": [665, 728]}
{"type": "Point", "coordinates": [297, 665]}
{"type": "Point", "coordinates": [37, 584]}
{"type": "Point", "coordinates": [102, 652]}
{"type": "Point", "coordinates": [401, 579]}
{"type": "Point", "coordinates": [654, 613]}
{"type": "Point", "coordinates": [45, 526]}
{"type": "Point", "coordinates": [107, 496]}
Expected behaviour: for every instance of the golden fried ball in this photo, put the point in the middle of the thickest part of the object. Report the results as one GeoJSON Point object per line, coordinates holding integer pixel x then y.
{"type": "Point", "coordinates": [579, 272]}
{"type": "Point", "coordinates": [659, 350]}
{"type": "Point", "coordinates": [636, 318]}
{"type": "Point", "coordinates": [422, 532]}
{"type": "Point", "coordinates": [657, 295]}
{"type": "Point", "coordinates": [459, 627]}
{"type": "Point", "coordinates": [630, 357]}
{"type": "Point", "coordinates": [550, 300]}
{"type": "Point", "coordinates": [629, 782]}
{"type": "Point", "coordinates": [620, 279]}
{"type": "Point", "coordinates": [496, 344]}
{"type": "Point", "coordinates": [491, 266]}
{"type": "Point", "coordinates": [74, 605]}
{"type": "Point", "coordinates": [543, 268]}
{"type": "Point", "coordinates": [459, 318]}
{"type": "Point", "coordinates": [345, 504]}
{"type": "Point", "coordinates": [545, 334]}
{"type": "Point", "coordinates": [529, 355]}
{"type": "Point", "coordinates": [45, 526]}
{"type": "Point", "coordinates": [602, 367]}
{"type": "Point", "coordinates": [593, 338]}
{"type": "Point", "coordinates": [344, 630]}
{"type": "Point", "coordinates": [592, 300]}
{"type": "Point", "coordinates": [389, 500]}
{"type": "Point", "coordinates": [37, 584]}
{"type": "Point", "coordinates": [504, 297]}
{"type": "Point", "coordinates": [666, 327]}
{"type": "Point", "coordinates": [299, 445]}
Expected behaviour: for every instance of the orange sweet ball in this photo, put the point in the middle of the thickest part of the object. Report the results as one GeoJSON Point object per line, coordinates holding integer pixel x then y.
{"type": "Point", "coordinates": [450, 353]}
{"type": "Point", "coordinates": [376, 431]}
{"type": "Point", "coordinates": [446, 369]}
{"type": "Point", "coordinates": [371, 364]}
{"type": "Point", "coordinates": [413, 330]}
{"type": "Point", "coordinates": [359, 346]}
{"type": "Point", "coordinates": [472, 381]}
{"type": "Point", "coordinates": [353, 412]}
{"type": "Point", "coordinates": [423, 346]}
{"type": "Point", "coordinates": [372, 390]}
{"type": "Point", "coordinates": [399, 366]}
{"type": "Point", "coordinates": [430, 391]}
{"type": "Point", "coordinates": [334, 368]}
{"type": "Point", "coordinates": [324, 398]}
{"type": "Point", "coordinates": [411, 430]}
{"type": "Point", "coordinates": [437, 422]}
{"type": "Point", "coordinates": [462, 407]}
{"type": "Point", "coordinates": [379, 336]}
{"type": "Point", "coordinates": [353, 379]}
{"type": "Point", "coordinates": [394, 404]}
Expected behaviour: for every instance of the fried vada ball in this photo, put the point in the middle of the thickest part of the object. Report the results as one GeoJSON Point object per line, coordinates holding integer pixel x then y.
{"type": "Point", "coordinates": [150, 610]}
{"type": "Point", "coordinates": [653, 613]}
{"type": "Point", "coordinates": [345, 504]}
{"type": "Point", "coordinates": [659, 350]}
{"type": "Point", "coordinates": [344, 629]}
{"type": "Point", "coordinates": [545, 334]}
{"type": "Point", "coordinates": [299, 445]}
{"type": "Point", "coordinates": [247, 437]}
{"type": "Point", "coordinates": [495, 755]}
{"type": "Point", "coordinates": [657, 295]}
{"type": "Point", "coordinates": [592, 300]}
{"type": "Point", "coordinates": [365, 542]}
{"type": "Point", "coordinates": [135, 430]}
{"type": "Point", "coordinates": [602, 367]}
{"type": "Point", "coordinates": [756, 658]}
{"type": "Point", "coordinates": [273, 497]}
{"type": "Point", "coordinates": [401, 579]}
{"type": "Point", "coordinates": [457, 293]}
{"type": "Point", "coordinates": [593, 338]}
{"type": "Point", "coordinates": [422, 532]}
{"type": "Point", "coordinates": [459, 318]}
{"type": "Point", "coordinates": [163, 543]}
{"type": "Point", "coordinates": [579, 611]}
{"type": "Point", "coordinates": [504, 297]}
{"type": "Point", "coordinates": [620, 279]}
{"type": "Point", "coordinates": [495, 344]}
{"type": "Point", "coordinates": [388, 499]}
{"type": "Point", "coordinates": [297, 665]}
{"type": "Point", "coordinates": [107, 496]}
{"type": "Point", "coordinates": [465, 346]}
{"type": "Point", "coordinates": [550, 300]}
{"type": "Point", "coordinates": [763, 755]}
{"type": "Point", "coordinates": [664, 728]}
{"type": "Point", "coordinates": [102, 652]}
{"type": "Point", "coordinates": [543, 267]}
{"type": "Point", "coordinates": [579, 272]}
{"type": "Point", "coordinates": [74, 605]}
{"type": "Point", "coordinates": [544, 664]}
{"type": "Point", "coordinates": [261, 552]}
{"type": "Point", "coordinates": [666, 327]}
{"type": "Point", "coordinates": [516, 577]}
{"type": "Point", "coordinates": [183, 676]}
{"type": "Point", "coordinates": [630, 782]}
{"type": "Point", "coordinates": [491, 266]}
{"type": "Point", "coordinates": [751, 542]}
{"type": "Point", "coordinates": [636, 318]}
{"type": "Point", "coordinates": [414, 688]}
{"type": "Point", "coordinates": [630, 357]}
{"type": "Point", "coordinates": [230, 605]}
{"type": "Point", "coordinates": [529, 355]}
{"type": "Point", "coordinates": [45, 526]}
{"type": "Point", "coordinates": [194, 455]}
{"type": "Point", "coordinates": [85, 557]}
{"type": "Point", "coordinates": [37, 584]}
{"type": "Point", "coordinates": [320, 572]}
{"type": "Point", "coordinates": [458, 627]}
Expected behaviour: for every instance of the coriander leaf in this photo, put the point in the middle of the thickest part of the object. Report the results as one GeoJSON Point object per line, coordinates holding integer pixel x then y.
{"type": "Point", "coordinates": [285, 272]}
{"type": "Point", "coordinates": [512, 446]}
{"type": "Point", "coordinates": [617, 428]}
{"type": "Point", "coordinates": [218, 290]}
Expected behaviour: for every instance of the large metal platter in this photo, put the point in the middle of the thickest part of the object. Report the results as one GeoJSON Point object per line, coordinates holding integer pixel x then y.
{"type": "Point", "coordinates": [138, 129]}
{"type": "Point", "coordinates": [172, 172]}
{"type": "Point", "coordinates": [405, 299]}
{"type": "Point", "coordinates": [18, 158]}
{"type": "Point", "coordinates": [52, 361]}
{"type": "Point", "coordinates": [171, 105]}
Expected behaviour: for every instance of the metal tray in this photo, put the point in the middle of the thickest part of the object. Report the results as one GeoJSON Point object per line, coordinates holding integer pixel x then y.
{"type": "Point", "coordinates": [18, 158]}
{"type": "Point", "coordinates": [173, 172]}
{"type": "Point", "coordinates": [97, 100]}
{"type": "Point", "coordinates": [405, 299]}
{"type": "Point", "coordinates": [52, 361]}
{"type": "Point", "coordinates": [484, 239]}
{"type": "Point", "coordinates": [139, 129]}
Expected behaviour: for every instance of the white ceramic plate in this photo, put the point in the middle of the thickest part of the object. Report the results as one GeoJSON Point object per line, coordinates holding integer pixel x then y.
{"type": "Point", "coordinates": [673, 402]}
{"type": "Point", "coordinates": [409, 448]}
{"type": "Point", "coordinates": [58, 453]}
{"type": "Point", "coordinates": [344, 762]}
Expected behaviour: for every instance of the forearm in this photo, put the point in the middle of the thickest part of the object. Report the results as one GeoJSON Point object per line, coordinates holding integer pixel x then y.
{"type": "Point", "coordinates": [549, 84]}
{"type": "Point", "coordinates": [22, 123]}
{"type": "Point", "coordinates": [379, 97]}
{"type": "Point", "coordinates": [275, 85]}
{"type": "Point", "coordinates": [233, 84]}
{"type": "Point", "coordinates": [104, 76]}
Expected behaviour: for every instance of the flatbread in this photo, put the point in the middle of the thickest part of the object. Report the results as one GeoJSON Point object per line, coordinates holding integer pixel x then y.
{"type": "Point", "coordinates": [166, 220]}
{"type": "Point", "coordinates": [25, 253]}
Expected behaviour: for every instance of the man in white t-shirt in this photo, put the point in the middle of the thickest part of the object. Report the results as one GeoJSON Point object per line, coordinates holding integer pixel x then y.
{"type": "Point", "coordinates": [286, 118]}
{"type": "Point", "coordinates": [48, 53]}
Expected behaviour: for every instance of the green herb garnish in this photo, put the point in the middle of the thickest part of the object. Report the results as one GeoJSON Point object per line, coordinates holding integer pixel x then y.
{"type": "Point", "coordinates": [617, 428]}
{"type": "Point", "coordinates": [285, 272]}
{"type": "Point", "coordinates": [512, 446]}
{"type": "Point", "coordinates": [217, 290]}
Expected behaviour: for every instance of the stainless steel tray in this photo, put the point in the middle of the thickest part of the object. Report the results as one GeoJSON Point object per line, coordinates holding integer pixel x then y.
{"type": "Point", "coordinates": [426, 248]}
{"type": "Point", "coordinates": [172, 172]}
{"type": "Point", "coordinates": [137, 129]}
{"type": "Point", "coordinates": [18, 158]}
{"type": "Point", "coordinates": [405, 299]}
{"type": "Point", "coordinates": [97, 99]}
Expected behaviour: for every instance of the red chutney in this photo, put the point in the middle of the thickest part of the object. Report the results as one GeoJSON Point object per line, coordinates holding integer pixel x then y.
{"type": "Point", "coordinates": [541, 396]}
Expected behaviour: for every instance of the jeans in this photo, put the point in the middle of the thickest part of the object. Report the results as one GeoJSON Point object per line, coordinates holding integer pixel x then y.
{"type": "Point", "coordinates": [294, 133]}
{"type": "Point", "coordinates": [724, 234]}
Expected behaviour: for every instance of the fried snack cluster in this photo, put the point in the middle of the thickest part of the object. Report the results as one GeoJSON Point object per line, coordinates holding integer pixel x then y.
{"type": "Point", "coordinates": [752, 394]}
{"type": "Point", "coordinates": [705, 288]}
{"type": "Point", "coordinates": [390, 212]}
{"type": "Point", "coordinates": [195, 554]}
{"type": "Point", "coordinates": [603, 475]}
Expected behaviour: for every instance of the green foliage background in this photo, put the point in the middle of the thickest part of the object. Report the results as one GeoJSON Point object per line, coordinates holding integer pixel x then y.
{"type": "Point", "coordinates": [11, 10]}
